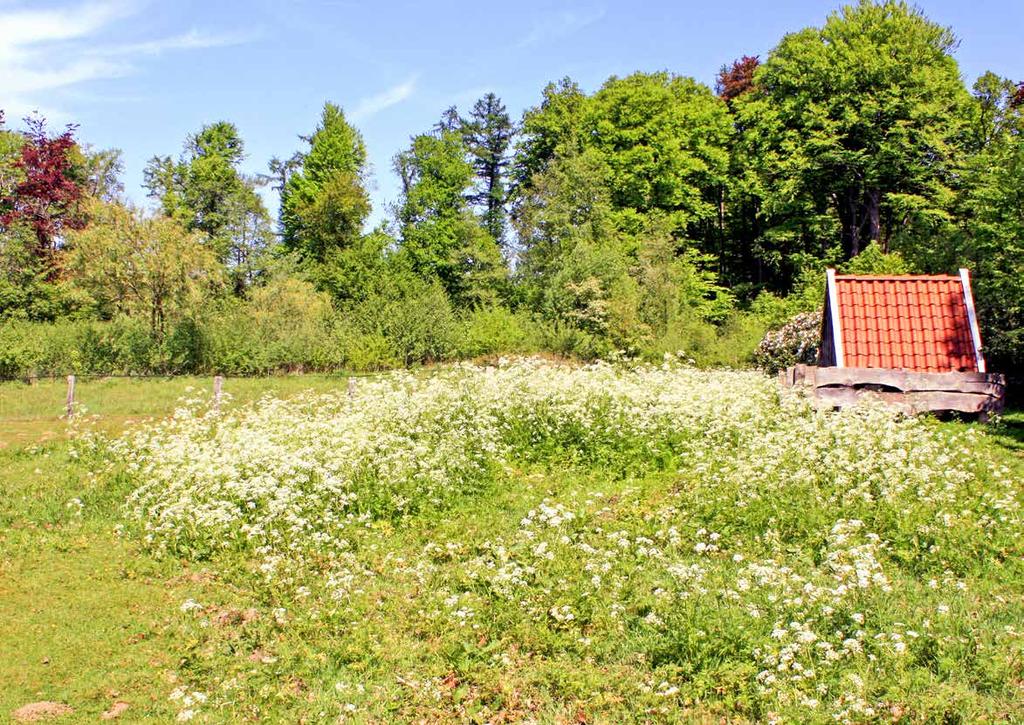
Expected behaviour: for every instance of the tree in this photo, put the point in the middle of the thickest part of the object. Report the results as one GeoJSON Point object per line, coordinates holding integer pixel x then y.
{"type": "Point", "coordinates": [736, 79]}
{"type": "Point", "coordinates": [206, 192]}
{"type": "Point", "coordinates": [661, 139]}
{"type": "Point", "coordinates": [488, 133]}
{"type": "Point", "coordinates": [991, 214]}
{"type": "Point", "coordinates": [139, 265]}
{"type": "Point", "coordinates": [30, 283]}
{"type": "Point", "coordinates": [438, 234]}
{"type": "Point", "coordinates": [665, 139]}
{"type": "Point", "coordinates": [324, 204]}
{"type": "Point", "coordinates": [103, 171]}
{"type": "Point", "coordinates": [868, 111]}
{"type": "Point", "coordinates": [550, 130]}
{"type": "Point", "coordinates": [1018, 97]}
{"type": "Point", "coordinates": [278, 172]}
{"type": "Point", "coordinates": [48, 189]}
{"type": "Point", "coordinates": [450, 121]}
{"type": "Point", "coordinates": [567, 203]}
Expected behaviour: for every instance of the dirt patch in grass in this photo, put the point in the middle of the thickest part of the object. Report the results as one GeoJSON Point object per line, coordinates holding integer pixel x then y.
{"type": "Point", "coordinates": [36, 711]}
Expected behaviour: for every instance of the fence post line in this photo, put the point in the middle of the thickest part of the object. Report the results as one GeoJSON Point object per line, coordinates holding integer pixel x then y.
{"type": "Point", "coordinates": [218, 383]}
{"type": "Point", "coordinates": [70, 404]}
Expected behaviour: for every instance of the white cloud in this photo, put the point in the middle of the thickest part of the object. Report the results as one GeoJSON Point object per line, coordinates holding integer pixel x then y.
{"type": "Point", "coordinates": [192, 40]}
{"type": "Point", "coordinates": [43, 51]}
{"type": "Point", "coordinates": [372, 105]}
{"type": "Point", "coordinates": [21, 30]}
{"type": "Point", "coordinates": [559, 25]}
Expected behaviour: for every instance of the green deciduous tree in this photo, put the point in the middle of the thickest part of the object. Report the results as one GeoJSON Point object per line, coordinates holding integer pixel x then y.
{"type": "Point", "coordinates": [324, 203]}
{"type": "Point", "coordinates": [991, 214]}
{"type": "Point", "coordinates": [145, 266]}
{"type": "Point", "coordinates": [665, 140]}
{"type": "Point", "coordinates": [864, 114]}
{"type": "Point", "coordinates": [439, 235]}
{"type": "Point", "coordinates": [552, 129]}
{"type": "Point", "coordinates": [103, 169]}
{"type": "Point", "coordinates": [625, 189]}
{"type": "Point", "coordinates": [206, 192]}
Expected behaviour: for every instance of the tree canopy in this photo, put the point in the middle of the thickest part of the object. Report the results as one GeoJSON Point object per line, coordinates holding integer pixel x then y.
{"type": "Point", "coordinates": [649, 214]}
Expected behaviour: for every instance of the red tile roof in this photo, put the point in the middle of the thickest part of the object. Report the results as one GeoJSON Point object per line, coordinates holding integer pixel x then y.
{"type": "Point", "coordinates": [919, 323]}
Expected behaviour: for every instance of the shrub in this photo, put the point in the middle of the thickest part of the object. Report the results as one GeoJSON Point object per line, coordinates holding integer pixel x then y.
{"type": "Point", "coordinates": [415, 317]}
{"type": "Point", "coordinates": [493, 329]}
{"type": "Point", "coordinates": [795, 342]}
{"type": "Point", "coordinates": [19, 349]}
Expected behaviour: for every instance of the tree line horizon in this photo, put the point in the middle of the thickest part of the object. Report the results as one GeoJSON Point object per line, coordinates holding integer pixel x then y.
{"type": "Point", "coordinates": [653, 213]}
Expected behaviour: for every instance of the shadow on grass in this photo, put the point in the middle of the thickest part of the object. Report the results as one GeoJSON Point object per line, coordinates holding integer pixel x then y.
{"type": "Point", "coordinates": [1009, 431]}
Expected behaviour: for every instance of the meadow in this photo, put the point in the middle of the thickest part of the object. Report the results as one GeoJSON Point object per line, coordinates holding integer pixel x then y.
{"type": "Point", "coordinates": [527, 541]}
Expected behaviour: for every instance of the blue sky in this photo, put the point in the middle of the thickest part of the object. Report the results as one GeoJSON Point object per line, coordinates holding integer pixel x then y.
{"type": "Point", "coordinates": [140, 75]}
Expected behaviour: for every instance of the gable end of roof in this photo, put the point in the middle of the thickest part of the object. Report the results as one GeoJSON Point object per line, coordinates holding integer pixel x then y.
{"type": "Point", "coordinates": [925, 323]}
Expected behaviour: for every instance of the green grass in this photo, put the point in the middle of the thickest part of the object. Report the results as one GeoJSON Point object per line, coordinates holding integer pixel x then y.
{"type": "Point", "coordinates": [34, 413]}
{"type": "Point", "coordinates": [1009, 431]}
{"type": "Point", "coordinates": [89, 617]}
{"type": "Point", "coordinates": [86, 617]}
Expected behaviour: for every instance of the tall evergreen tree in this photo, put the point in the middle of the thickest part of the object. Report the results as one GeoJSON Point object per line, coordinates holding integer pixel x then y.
{"type": "Point", "coordinates": [488, 133]}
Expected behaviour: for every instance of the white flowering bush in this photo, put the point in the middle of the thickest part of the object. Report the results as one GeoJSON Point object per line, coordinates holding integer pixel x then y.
{"type": "Point", "coordinates": [795, 342]}
{"type": "Point", "coordinates": [534, 540]}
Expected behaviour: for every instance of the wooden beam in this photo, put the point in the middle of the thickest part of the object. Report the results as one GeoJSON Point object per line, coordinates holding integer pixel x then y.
{"type": "Point", "coordinates": [908, 380]}
{"type": "Point", "coordinates": [965, 282]}
{"type": "Point", "coordinates": [917, 402]}
{"type": "Point", "coordinates": [833, 312]}
{"type": "Point", "coordinates": [69, 403]}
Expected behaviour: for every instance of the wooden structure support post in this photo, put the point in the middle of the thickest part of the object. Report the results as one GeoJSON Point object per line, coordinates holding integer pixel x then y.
{"type": "Point", "coordinates": [218, 384]}
{"type": "Point", "coordinates": [69, 406]}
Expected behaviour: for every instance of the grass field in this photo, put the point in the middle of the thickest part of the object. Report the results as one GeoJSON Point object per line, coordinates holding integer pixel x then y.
{"type": "Point", "coordinates": [528, 543]}
{"type": "Point", "coordinates": [34, 413]}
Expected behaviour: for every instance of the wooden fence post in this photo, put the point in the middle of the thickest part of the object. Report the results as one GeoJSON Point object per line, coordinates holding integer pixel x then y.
{"type": "Point", "coordinates": [70, 405]}
{"type": "Point", "coordinates": [218, 383]}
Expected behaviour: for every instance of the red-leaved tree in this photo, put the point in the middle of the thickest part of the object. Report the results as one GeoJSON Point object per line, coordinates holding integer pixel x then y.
{"type": "Point", "coordinates": [1018, 97]}
{"type": "Point", "coordinates": [47, 195]}
{"type": "Point", "coordinates": [736, 79]}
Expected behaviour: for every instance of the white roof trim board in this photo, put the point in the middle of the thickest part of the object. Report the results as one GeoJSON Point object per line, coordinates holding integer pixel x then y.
{"type": "Point", "coordinates": [965, 282]}
{"type": "Point", "coordinates": [833, 312]}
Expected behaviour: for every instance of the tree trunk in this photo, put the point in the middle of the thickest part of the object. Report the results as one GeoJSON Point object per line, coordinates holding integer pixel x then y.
{"type": "Point", "coordinates": [849, 219]}
{"type": "Point", "coordinates": [860, 216]}
{"type": "Point", "coordinates": [873, 215]}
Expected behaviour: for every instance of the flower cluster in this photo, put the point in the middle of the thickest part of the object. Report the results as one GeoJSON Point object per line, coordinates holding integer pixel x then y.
{"type": "Point", "coordinates": [724, 530]}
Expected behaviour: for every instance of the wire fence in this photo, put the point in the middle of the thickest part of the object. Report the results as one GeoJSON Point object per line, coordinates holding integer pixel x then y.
{"type": "Point", "coordinates": [130, 396]}
{"type": "Point", "coordinates": [81, 377]}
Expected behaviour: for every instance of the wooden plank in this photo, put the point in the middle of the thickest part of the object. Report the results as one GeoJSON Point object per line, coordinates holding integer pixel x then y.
{"type": "Point", "coordinates": [904, 379]}
{"type": "Point", "coordinates": [218, 385]}
{"type": "Point", "coordinates": [965, 284]}
{"type": "Point", "coordinates": [960, 402]}
{"type": "Point", "coordinates": [844, 397]}
{"type": "Point", "coordinates": [917, 402]}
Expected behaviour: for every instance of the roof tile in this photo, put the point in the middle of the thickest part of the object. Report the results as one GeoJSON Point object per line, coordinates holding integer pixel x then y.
{"type": "Point", "coordinates": [914, 322]}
